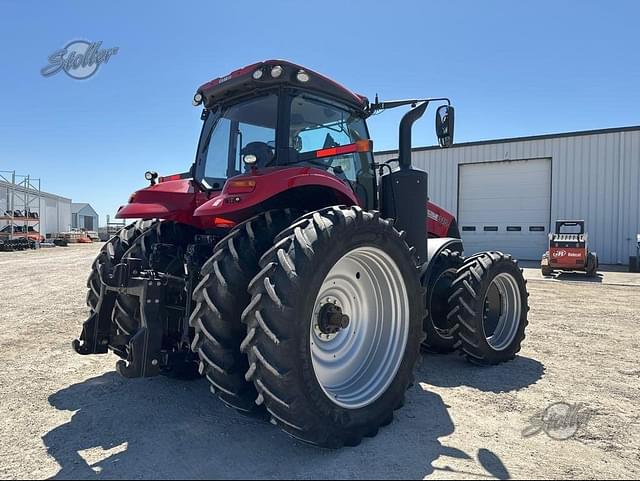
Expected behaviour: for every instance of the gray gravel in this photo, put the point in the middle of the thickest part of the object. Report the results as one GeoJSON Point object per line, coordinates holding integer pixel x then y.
{"type": "Point", "coordinates": [66, 416]}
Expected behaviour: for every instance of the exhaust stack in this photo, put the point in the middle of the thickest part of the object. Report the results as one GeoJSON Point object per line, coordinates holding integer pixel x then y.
{"type": "Point", "coordinates": [406, 126]}
{"type": "Point", "coordinates": [404, 194]}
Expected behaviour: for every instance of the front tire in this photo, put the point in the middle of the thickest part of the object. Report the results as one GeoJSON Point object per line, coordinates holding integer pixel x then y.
{"type": "Point", "coordinates": [439, 329]}
{"type": "Point", "coordinates": [490, 304]}
{"type": "Point", "coordinates": [332, 387]}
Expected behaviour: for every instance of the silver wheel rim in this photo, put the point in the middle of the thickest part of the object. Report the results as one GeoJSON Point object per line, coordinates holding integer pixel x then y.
{"type": "Point", "coordinates": [356, 365]}
{"type": "Point", "coordinates": [510, 309]}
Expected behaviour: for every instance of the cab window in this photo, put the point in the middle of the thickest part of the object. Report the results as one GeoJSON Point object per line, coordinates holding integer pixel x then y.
{"type": "Point", "coordinates": [245, 127]}
{"type": "Point", "coordinates": [317, 124]}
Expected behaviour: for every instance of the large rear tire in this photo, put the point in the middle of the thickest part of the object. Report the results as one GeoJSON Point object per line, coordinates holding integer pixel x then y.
{"type": "Point", "coordinates": [490, 304]}
{"type": "Point", "coordinates": [438, 327]}
{"type": "Point", "coordinates": [323, 382]}
{"type": "Point", "coordinates": [221, 296]}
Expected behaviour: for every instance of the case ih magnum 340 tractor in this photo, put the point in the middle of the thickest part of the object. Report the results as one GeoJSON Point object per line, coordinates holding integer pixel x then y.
{"type": "Point", "coordinates": [295, 273]}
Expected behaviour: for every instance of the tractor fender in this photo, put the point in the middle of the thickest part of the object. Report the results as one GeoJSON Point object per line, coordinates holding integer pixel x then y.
{"type": "Point", "coordinates": [169, 200]}
{"type": "Point", "coordinates": [246, 194]}
{"type": "Point", "coordinates": [434, 247]}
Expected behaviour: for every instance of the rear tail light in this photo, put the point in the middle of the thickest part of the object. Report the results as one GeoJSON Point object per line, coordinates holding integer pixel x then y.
{"type": "Point", "coordinates": [222, 222]}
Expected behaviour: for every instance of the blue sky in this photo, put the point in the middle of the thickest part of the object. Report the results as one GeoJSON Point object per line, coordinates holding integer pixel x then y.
{"type": "Point", "coordinates": [511, 68]}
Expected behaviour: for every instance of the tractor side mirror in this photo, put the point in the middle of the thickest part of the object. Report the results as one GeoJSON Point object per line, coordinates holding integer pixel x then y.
{"type": "Point", "coordinates": [444, 125]}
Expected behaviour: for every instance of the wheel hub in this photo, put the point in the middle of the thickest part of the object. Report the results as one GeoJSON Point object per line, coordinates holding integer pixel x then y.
{"type": "Point", "coordinates": [331, 319]}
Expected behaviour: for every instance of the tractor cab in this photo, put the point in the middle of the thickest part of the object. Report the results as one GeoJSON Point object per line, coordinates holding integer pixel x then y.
{"type": "Point", "coordinates": [277, 114]}
{"type": "Point", "coordinates": [276, 134]}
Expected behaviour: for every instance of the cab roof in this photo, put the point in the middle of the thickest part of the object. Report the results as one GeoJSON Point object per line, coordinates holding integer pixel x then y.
{"type": "Point", "coordinates": [243, 80]}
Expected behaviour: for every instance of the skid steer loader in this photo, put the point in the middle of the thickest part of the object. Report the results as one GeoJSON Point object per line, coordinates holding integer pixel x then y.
{"type": "Point", "coordinates": [569, 250]}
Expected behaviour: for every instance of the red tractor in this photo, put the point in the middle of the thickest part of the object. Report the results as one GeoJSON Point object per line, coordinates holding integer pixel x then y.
{"type": "Point", "coordinates": [569, 250]}
{"type": "Point", "coordinates": [292, 270]}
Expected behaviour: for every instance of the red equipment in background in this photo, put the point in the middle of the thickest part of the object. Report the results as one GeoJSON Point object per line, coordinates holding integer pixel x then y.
{"type": "Point", "coordinates": [569, 251]}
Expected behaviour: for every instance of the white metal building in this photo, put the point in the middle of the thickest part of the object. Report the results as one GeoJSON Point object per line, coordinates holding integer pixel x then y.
{"type": "Point", "coordinates": [54, 211]}
{"type": "Point", "coordinates": [508, 193]}
{"type": "Point", "coordinates": [83, 216]}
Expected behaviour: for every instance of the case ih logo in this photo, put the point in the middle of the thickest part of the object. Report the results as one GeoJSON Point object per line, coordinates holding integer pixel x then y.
{"type": "Point", "coordinates": [78, 59]}
{"type": "Point", "coordinates": [560, 253]}
{"type": "Point", "coordinates": [438, 218]}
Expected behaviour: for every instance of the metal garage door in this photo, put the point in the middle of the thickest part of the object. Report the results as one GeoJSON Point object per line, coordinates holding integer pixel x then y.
{"type": "Point", "coordinates": [505, 206]}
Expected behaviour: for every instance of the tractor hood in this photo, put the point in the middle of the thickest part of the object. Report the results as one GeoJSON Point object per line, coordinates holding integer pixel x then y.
{"type": "Point", "coordinates": [171, 200]}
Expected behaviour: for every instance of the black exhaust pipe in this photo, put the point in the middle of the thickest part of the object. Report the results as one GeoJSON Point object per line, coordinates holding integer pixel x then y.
{"type": "Point", "coordinates": [406, 125]}
{"type": "Point", "coordinates": [404, 193]}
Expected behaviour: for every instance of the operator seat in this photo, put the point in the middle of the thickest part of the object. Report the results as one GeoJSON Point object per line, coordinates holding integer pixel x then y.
{"type": "Point", "coordinates": [264, 153]}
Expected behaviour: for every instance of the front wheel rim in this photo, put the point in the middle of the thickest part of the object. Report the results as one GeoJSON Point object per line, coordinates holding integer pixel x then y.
{"type": "Point", "coordinates": [356, 365]}
{"type": "Point", "coordinates": [502, 311]}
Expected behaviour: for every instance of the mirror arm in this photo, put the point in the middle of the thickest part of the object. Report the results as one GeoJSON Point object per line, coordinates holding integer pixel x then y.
{"type": "Point", "coordinates": [392, 104]}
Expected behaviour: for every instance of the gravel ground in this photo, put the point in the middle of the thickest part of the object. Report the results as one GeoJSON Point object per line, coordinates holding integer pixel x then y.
{"type": "Point", "coordinates": [67, 416]}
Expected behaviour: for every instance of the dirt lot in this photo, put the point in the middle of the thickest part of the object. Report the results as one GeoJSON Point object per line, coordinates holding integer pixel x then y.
{"type": "Point", "coordinates": [68, 416]}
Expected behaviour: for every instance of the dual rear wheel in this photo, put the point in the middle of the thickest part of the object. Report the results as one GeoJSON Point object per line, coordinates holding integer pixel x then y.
{"type": "Point", "coordinates": [330, 330]}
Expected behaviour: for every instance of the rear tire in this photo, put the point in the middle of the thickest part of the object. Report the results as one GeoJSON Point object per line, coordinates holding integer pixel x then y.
{"type": "Point", "coordinates": [490, 304]}
{"type": "Point", "coordinates": [314, 397]}
{"type": "Point", "coordinates": [221, 297]}
{"type": "Point", "coordinates": [437, 326]}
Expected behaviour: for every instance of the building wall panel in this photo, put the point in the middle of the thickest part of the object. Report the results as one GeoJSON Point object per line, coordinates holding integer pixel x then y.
{"type": "Point", "coordinates": [595, 177]}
